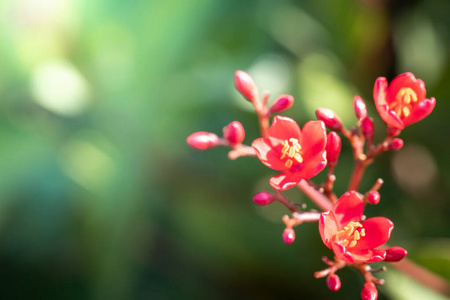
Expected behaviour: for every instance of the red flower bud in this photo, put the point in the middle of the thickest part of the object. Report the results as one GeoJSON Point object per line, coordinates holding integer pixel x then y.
{"type": "Point", "coordinates": [245, 85]}
{"type": "Point", "coordinates": [330, 118]}
{"type": "Point", "coordinates": [283, 102]}
{"type": "Point", "coordinates": [234, 133]}
{"type": "Point", "coordinates": [373, 197]}
{"type": "Point", "coordinates": [263, 198]}
{"type": "Point", "coordinates": [333, 282]}
{"type": "Point", "coordinates": [369, 291]}
{"type": "Point", "coordinates": [203, 140]}
{"type": "Point", "coordinates": [288, 235]}
{"type": "Point", "coordinates": [396, 144]}
{"type": "Point", "coordinates": [333, 148]}
{"type": "Point", "coordinates": [360, 107]}
{"type": "Point", "coordinates": [367, 128]}
{"type": "Point", "coordinates": [395, 254]}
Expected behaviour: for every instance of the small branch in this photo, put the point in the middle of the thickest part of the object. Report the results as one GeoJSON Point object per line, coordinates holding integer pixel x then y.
{"type": "Point", "coordinates": [377, 185]}
{"type": "Point", "coordinates": [328, 185]}
{"type": "Point", "coordinates": [366, 271]}
{"type": "Point", "coordinates": [333, 267]}
{"type": "Point", "coordinates": [241, 150]}
{"type": "Point", "coordinates": [306, 216]}
{"type": "Point", "coordinates": [321, 201]}
{"type": "Point", "coordinates": [423, 276]}
{"type": "Point", "coordinates": [263, 116]}
{"type": "Point", "coordinates": [357, 174]}
{"type": "Point", "coordinates": [283, 200]}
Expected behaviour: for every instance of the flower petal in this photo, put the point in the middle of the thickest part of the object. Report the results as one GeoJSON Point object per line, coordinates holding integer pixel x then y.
{"type": "Point", "coordinates": [283, 128]}
{"type": "Point", "coordinates": [390, 117]}
{"type": "Point", "coordinates": [369, 255]}
{"type": "Point", "coordinates": [285, 180]}
{"type": "Point", "coordinates": [342, 253]}
{"type": "Point", "coordinates": [406, 80]}
{"type": "Point", "coordinates": [267, 154]}
{"type": "Point", "coordinates": [349, 207]}
{"type": "Point", "coordinates": [314, 139]}
{"type": "Point", "coordinates": [422, 110]}
{"type": "Point", "coordinates": [377, 232]}
{"type": "Point", "coordinates": [380, 91]}
{"type": "Point", "coordinates": [314, 165]}
{"type": "Point", "coordinates": [327, 227]}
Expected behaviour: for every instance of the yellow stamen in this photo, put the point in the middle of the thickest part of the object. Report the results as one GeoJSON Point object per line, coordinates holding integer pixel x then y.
{"type": "Point", "coordinates": [285, 149]}
{"type": "Point", "coordinates": [350, 236]}
{"type": "Point", "coordinates": [291, 152]}
{"type": "Point", "coordinates": [350, 230]}
{"type": "Point", "coordinates": [298, 157]}
{"type": "Point", "coordinates": [291, 149]}
{"type": "Point", "coordinates": [406, 95]}
{"type": "Point", "coordinates": [406, 111]}
{"type": "Point", "coordinates": [403, 101]}
{"type": "Point", "coordinates": [295, 144]}
{"type": "Point", "coordinates": [288, 163]}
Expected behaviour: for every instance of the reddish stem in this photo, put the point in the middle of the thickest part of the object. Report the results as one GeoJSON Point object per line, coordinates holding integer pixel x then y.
{"type": "Point", "coordinates": [280, 198]}
{"type": "Point", "coordinates": [263, 116]}
{"type": "Point", "coordinates": [321, 201]}
{"type": "Point", "coordinates": [424, 276]}
{"type": "Point", "coordinates": [241, 150]}
{"type": "Point", "coordinates": [357, 174]}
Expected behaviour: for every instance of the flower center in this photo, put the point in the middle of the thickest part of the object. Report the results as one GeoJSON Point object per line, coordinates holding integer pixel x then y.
{"type": "Point", "coordinates": [350, 235]}
{"type": "Point", "coordinates": [291, 151]}
{"type": "Point", "coordinates": [404, 99]}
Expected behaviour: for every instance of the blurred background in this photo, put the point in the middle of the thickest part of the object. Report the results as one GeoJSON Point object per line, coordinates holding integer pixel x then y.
{"type": "Point", "coordinates": [101, 198]}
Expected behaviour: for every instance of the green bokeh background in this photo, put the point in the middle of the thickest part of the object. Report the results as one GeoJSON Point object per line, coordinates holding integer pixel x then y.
{"type": "Point", "coordinates": [101, 198]}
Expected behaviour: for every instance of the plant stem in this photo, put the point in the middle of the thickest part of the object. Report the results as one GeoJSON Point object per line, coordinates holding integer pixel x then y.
{"type": "Point", "coordinates": [424, 276]}
{"type": "Point", "coordinates": [357, 174]}
{"type": "Point", "coordinates": [315, 196]}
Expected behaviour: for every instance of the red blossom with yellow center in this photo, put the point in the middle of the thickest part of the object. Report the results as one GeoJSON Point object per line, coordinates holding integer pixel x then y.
{"type": "Point", "coordinates": [352, 240]}
{"type": "Point", "coordinates": [298, 154]}
{"type": "Point", "coordinates": [402, 102]}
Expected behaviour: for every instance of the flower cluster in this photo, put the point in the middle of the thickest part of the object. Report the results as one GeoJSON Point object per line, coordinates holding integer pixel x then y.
{"type": "Point", "coordinates": [299, 154]}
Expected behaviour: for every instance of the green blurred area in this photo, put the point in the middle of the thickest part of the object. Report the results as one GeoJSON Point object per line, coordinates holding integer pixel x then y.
{"type": "Point", "coordinates": [101, 198]}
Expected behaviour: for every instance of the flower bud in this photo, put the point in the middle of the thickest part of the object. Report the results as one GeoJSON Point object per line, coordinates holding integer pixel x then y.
{"type": "Point", "coordinates": [263, 198]}
{"type": "Point", "coordinates": [367, 128]}
{"type": "Point", "coordinates": [360, 107]}
{"type": "Point", "coordinates": [369, 291]}
{"type": "Point", "coordinates": [329, 117]}
{"type": "Point", "coordinates": [333, 282]}
{"type": "Point", "coordinates": [288, 235]}
{"type": "Point", "coordinates": [283, 103]}
{"type": "Point", "coordinates": [396, 144]}
{"type": "Point", "coordinates": [234, 133]}
{"type": "Point", "coordinates": [333, 148]}
{"type": "Point", "coordinates": [373, 197]}
{"type": "Point", "coordinates": [203, 140]}
{"type": "Point", "coordinates": [395, 254]}
{"type": "Point", "coordinates": [245, 85]}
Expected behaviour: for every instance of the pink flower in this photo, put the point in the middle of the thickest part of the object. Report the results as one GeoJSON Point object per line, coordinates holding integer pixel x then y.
{"type": "Point", "coordinates": [298, 154]}
{"type": "Point", "coordinates": [351, 240]}
{"type": "Point", "coordinates": [402, 102]}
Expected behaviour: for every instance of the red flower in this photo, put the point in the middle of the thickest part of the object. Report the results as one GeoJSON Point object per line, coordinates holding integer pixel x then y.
{"type": "Point", "coordinates": [299, 154]}
{"type": "Point", "coordinates": [342, 231]}
{"type": "Point", "coordinates": [402, 102]}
